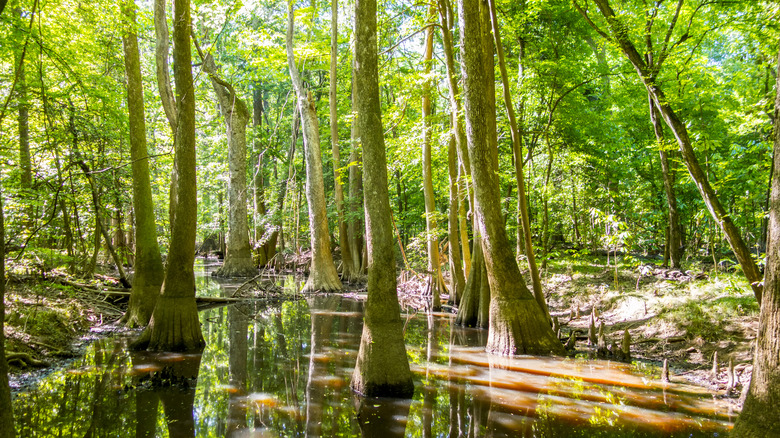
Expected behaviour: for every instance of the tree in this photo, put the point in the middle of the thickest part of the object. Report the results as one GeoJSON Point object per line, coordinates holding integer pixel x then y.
{"type": "Point", "coordinates": [673, 247]}
{"type": "Point", "coordinates": [238, 257]}
{"type": "Point", "coordinates": [517, 323]}
{"type": "Point", "coordinates": [431, 224]}
{"type": "Point", "coordinates": [759, 415]}
{"type": "Point", "coordinates": [149, 271]}
{"type": "Point", "coordinates": [648, 74]}
{"type": "Point", "coordinates": [382, 368]}
{"type": "Point", "coordinates": [174, 325]}
{"type": "Point", "coordinates": [348, 265]}
{"type": "Point", "coordinates": [517, 151]}
{"type": "Point", "coordinates": [322, 273]}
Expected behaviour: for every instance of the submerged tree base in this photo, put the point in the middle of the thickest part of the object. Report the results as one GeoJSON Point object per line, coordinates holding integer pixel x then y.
{"type": "Point", "coordinates": [236, 267]}
{"type": "Point", "coordinates": [518, 327]}
{"type": "Point", "coordinates": [323, 281]}
{"type": "Point", "coordinates": [174, 327]}
{"type": "Point", "coordinates": [382, 368]}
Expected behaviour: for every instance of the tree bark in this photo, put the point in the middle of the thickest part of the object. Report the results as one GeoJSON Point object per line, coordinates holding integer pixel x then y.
{"type": "Point", "coordinates": [322, 274]}
{"type": "Point", "coordinates": [347, 265]}
{"type": "Point", "coordinates": [517, 323]}
{"type": "Point", "coordinates": [149, 271]}
{"type": "Point", "coordinates": [719, 214]}
{"type": "Point", "coordinates": [382, 368]}
{"type": "Point", "coordinates": [238, 256]}
{"type": "Point", "coordinates": [431, 225]}
{"type": "Point", "coordinates": [759, 417]}
{"type": "Point", "coordinates": [174, 325]}
{"type": "Point", "coordinates": [674, 243]}
{"type": "Point", "coordinates": [7, 429]}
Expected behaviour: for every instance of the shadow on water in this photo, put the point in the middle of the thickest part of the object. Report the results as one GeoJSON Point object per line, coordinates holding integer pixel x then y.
{"type": "Point", "coordinates": [285, 370]}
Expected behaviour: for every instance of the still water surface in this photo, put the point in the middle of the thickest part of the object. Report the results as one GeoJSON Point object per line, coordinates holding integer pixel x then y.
{"type": "Point", "coordinates": [285, 370]}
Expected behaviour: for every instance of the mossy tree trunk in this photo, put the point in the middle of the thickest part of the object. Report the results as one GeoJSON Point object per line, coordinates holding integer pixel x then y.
{"type": "Point", "coordinates": [323, 275]}
{"type": "Point", "coordinates": [149, 271]}
{"type": "Point", "coordinates": [174, 325]}
{"type": "Point", "coordinates": [517, 323]}
{"type": "Point", "coordinates": [382, 368]}
{"type": "Point", "coordinates": [238, 256]}
{"type": "Point", "coordinates": [760, 416]}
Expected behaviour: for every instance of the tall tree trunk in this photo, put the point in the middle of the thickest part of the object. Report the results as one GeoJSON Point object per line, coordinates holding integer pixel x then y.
{"type": "Point", "coordinates": [674, 243]}
{"type": "Point", "coordinates": [238, 256]}
{"type": "Point", "coordinates": [759, 416]}
{"type": "Point", "coordinates": [347, 265]}
{"type": "Point", "coordinates": [258, 183]}
{"type": "Point", "coordinates": [149, 271]}
{"type": "Point", "coordinates": [431, 225]}
{"type": "Point", "coordinates": [382, 368]}
{"type": "Point", "coordinates": [174, 325]}
{"type": "Point", "coordinates": [445, 16]}
{"type": "Point", "coordinates": [517, 151]}
{"type": "Point", "coordinates": [719, 214]}
{"type": "Point", "coordinates": [355, 227]}
{"type": "Point", "coordinates": [517, 324]}
{"type": "Point", "coordinates": [322, 274]}
{"type": "Point", "coordinates": [25, 165]}
{"type": "Point", "coordinates": [7, 429]}
{"type": "Point", "coordinates": [456, 266]}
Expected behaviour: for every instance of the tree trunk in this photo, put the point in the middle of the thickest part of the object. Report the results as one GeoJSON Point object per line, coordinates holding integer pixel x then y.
{"type": "Point", "coordinates": [517, 150]}
{"type": "Point", "coordinates": [741, 252]}
{"type": "Point", "coordinates": [6, 409]}
{"type": "Point", "coordinates": [474, 307]}
{"type": "Point", "coordinates": [25, 164]}
{"type": "Point", "coordinates": [517, 324]}
{"type": "Point", "coordinates": [445, 15]}
{"type": "Point", "coordinates": [238, 256]}
{"type": "Point", "coordinates": [322, 274]}
{"type": "Point", "coordinates": [149, 271]}
{"type": "Point", "coordinates": [347, 265]}
{"type": "Point", "coordinates": [759, 416]}
{"type": "Point", "coordinates": [174, 325]}
{"type": "Point", "coordinates": [382, 368]}
{"type": "Point", "coordinates": [674, 242]}
{"type": "Point", "coordinates": [456, 266]}
{"type": "Point", "coordinates": [431, 225]}
{"type": "Point", "coordinates": [355, 226]}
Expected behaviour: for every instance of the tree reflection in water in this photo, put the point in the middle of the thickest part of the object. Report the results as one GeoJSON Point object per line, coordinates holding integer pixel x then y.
{"type": "Point", "coordinates": [284, 371]}
{"type": "Point", "coordinates": [171, 381]}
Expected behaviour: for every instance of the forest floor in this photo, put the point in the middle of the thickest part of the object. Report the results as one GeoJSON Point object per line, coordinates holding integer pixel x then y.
{"type": "Point", "coordinates": [682, 316]}
{"type": "Point", "coordinates": [51, 319]}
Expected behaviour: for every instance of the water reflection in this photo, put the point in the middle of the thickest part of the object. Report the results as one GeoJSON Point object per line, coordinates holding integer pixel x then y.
{"type": "Point", "coordinates": [284, 371]}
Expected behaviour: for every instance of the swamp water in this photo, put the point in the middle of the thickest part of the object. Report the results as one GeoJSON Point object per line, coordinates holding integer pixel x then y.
{"type": "Point", "coordinates": [285, 371]}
